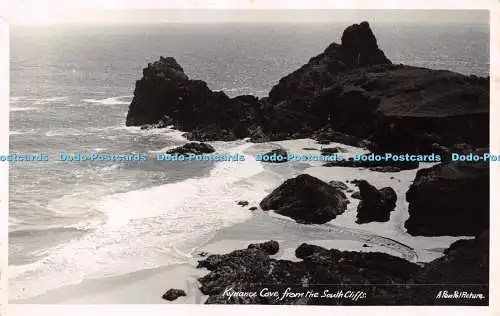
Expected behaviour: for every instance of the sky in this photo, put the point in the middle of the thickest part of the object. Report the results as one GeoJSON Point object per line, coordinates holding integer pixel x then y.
{"type": "Point", "coordinates": [43, 12]}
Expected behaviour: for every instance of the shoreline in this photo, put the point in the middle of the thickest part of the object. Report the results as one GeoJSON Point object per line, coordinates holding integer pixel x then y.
{"type": "Point", "coordinates": [148, 285]}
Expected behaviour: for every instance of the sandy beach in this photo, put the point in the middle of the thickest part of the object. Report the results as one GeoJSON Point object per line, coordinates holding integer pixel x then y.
{"type": "Point", "coordinates": [147, 286]}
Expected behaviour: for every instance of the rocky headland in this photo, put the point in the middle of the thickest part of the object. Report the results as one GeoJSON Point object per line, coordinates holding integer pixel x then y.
{"type": "Point", "coordinates": [352, 94]}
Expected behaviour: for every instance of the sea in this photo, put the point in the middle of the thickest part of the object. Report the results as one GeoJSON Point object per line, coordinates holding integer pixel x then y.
{"type": "Point", "coordinates": [71, 86]}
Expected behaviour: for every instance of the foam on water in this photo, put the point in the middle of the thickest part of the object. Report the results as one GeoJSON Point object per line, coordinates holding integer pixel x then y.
{"type": "Point", "coordinates": [50, 100]}
{"type": "Point", "coordinates": [65, 132]}
{"type": "Point", "coordinates": [109, 101]}
{"type": "Point", "coordinates": [144, 229]}
{"type": "Point", "coordinates": [23, 132]}
{"type": "Point", "coordinates": [22, 109]}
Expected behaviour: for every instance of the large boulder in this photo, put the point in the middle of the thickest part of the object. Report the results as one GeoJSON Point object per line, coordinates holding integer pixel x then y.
{"type": "Point", "coordinates": [270, 247]}
{"type": "Point", "coordinates": [338, 185]}
{"type": "Point", "coordinates": [451, 199]}
{"type": "Point", "coordinates": [385, 279]}
{"type": "Point", "coordinates": [306, 199]}
{"type": "Point", "coordinates": [375, 205]}
{"type": "Point", "coordinates": [173, 294]}
{"type": "Point", "coordinates": [192, 148]}
{"type": "Point", "coordinates": [276, 156]}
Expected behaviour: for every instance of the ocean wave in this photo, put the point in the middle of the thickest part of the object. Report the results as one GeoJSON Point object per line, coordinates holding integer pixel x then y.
{"type": "Point", "coordinates": [134, 129]}
{"type": "Point", "coordinates": [21, 109]}
{"type": "Point", "coordinates": [22, 232]}
{"type": "Point", "coordinates": [172, 134]}
{"type": "Point", "coordinates": [65, 132]}
{"type": "Point", "coordinates": [50, 100]}
{"type": "Point", "coordinates": [71, 105]}
{"type": "Point", "coordinates": [24, 132]}
{"type": "Point", "coordinates": [143, 228]}
{"type": "Point", "coordinates": [17, 99]}
{"type": "Point", "coordinates": [110, 168]}
{"type": "Point", "coordinates": [109, 101]}
{"type": "Point", "coordinates": [172, 197]}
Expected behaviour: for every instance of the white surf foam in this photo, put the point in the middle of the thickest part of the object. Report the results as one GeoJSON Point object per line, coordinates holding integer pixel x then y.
{"type": "Point", "coordinates": [145, 229]}
{"type": "Point", "coordinates": [50, 100]}
{"type": "Point", "coordinates": [65, 132]}
{"type": "Point", "coordinates": [22, 109]}
{"type": "Point", "coordinates": [22, 132]}
{"type": "Point", "coordinates": [109, 101]}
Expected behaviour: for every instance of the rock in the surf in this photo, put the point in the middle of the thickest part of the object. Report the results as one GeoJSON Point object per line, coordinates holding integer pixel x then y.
{"type": "Point", "coordinates": [192, 148]}
{"type": "Point", "coordinates": [276, 155]}
{"type": "Point", "coordinates": [173, 294]}
{"type": "Point", "coordinates": [375, 205]}
{"type": "Point", "coordinates": [306, 199]}
{"type": "Point", "coordinates": [270, 247]}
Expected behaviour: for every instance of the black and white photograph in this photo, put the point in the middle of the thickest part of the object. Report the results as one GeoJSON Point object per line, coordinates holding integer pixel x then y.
{"type": "Point", "coordinates": [257, 157]}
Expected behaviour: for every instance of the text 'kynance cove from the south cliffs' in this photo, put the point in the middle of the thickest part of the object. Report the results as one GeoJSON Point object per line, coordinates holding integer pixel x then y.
{"type": "Point", "coordinates": [296, 293]}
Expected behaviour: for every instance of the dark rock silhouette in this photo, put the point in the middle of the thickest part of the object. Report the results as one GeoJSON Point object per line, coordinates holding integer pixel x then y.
{"type": "Point", "coordinates": [276, 156]}
{"type": "Point", "coordinates": [450, 198]}
{"type": "Point", "coordinates": [375, 205]}
{"type": "Point", "coordinates": [270, 247]}
{"type": "Point", "coordinates": [242, 203]}
{"type": "Point", "coordinates": [350, 93]}
{"type": "Point", "coordinates": [338, 185]}
{"type": "Point", "coordinates": [386, 279]}
{"type": "Point", "coordinates": [332, 150]}
{"type": "Point", "coordinates": [173, 294]}
{"type": "Point", "coordinates": [192, 148]}
{"type": "Point", "coordinates": [359, 47]}
{"type": "Point", "coordinates": [306, 199]}
{"type": "Point", "coordinates": [380, 166]}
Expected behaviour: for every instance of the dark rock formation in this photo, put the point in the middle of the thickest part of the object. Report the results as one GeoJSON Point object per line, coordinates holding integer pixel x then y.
{"type": "Point", "coordinates": [166, 91]}
{"type": "Point", "coordinates": [192, 148]}
{"type": "Point", "coordinates": [375, 205]}
{"type": "Point", "coordinates": [306, 199]}
{"type": "Point", "coordinates": [326, 135]}
{"type": "Point", "coordinates": [451, 198]}
{"type": "Point", "coordinates": [253, 208]}
{"type": "Point", "coordinates": [338, 185]}
{"type": "Point", "coordinates": [386, 169]}
{"type": "Point", "coordinates": [351, 93]}
{"type": "Point", "coordinates": [276, 156]}
{"type": "Point", "coordinates": [332, 150]}
{"type": "Point", "coordinates": [359, 47]}
{"type": "Point", "coordinates": [162, 123]}
{"type": "Point", "coordinates": [356, 195]}
{"type": "Point", "coordinates": [387, 280]}
{"type": "Point", "coordinates": [173, 294]}
{"type": "Point", "coordinates": [242, 203]}
{"type": "Point", "coordinates": [380, 166]}
{"type": "Point", "coordinates": [465, 262]}
{"type": "Point", "coordinates": [270, 247]}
